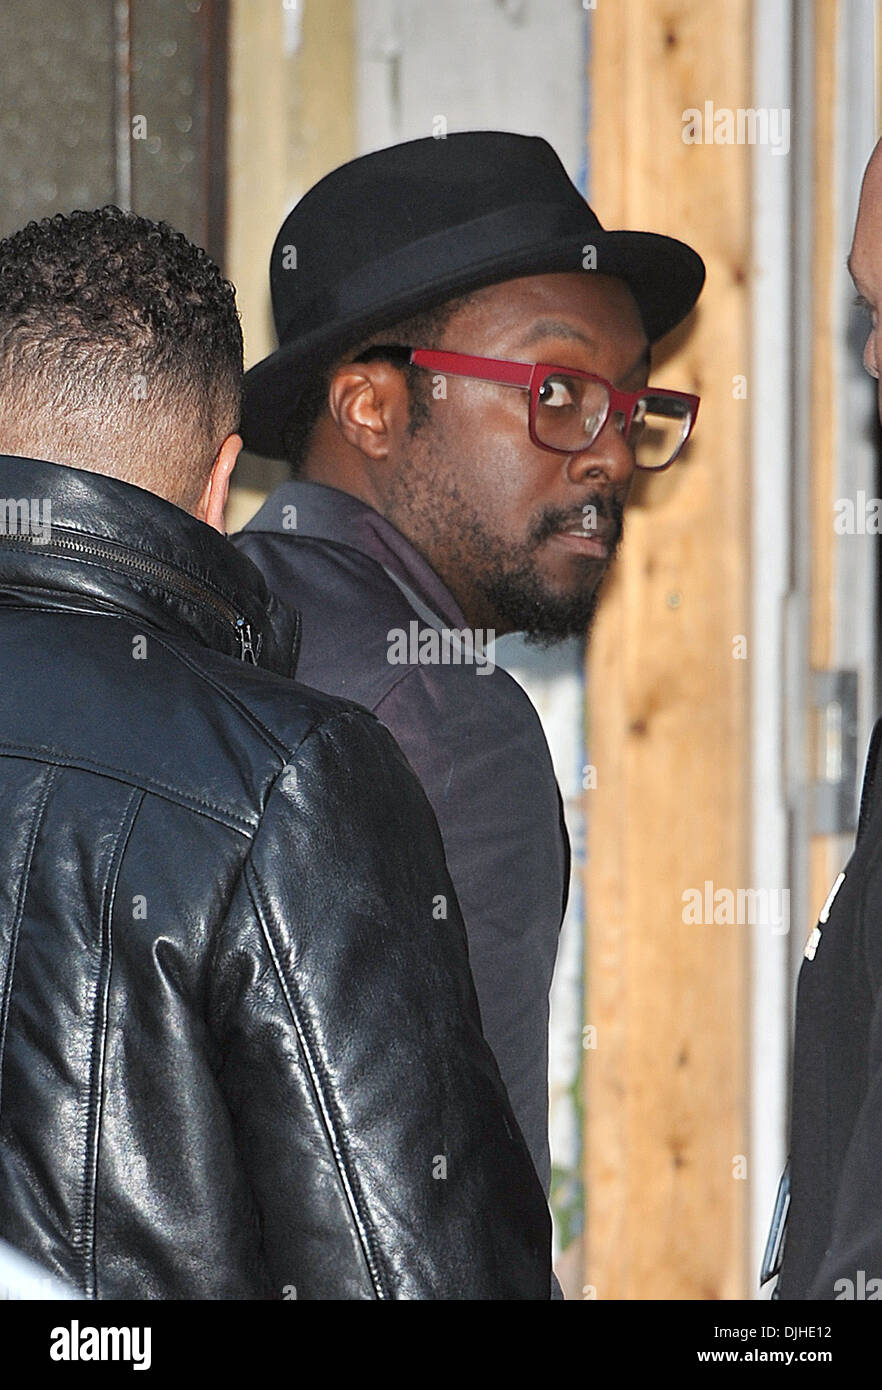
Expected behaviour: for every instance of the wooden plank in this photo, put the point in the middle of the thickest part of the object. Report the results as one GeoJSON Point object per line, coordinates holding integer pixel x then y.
{"type": "Point", "coordinates": [823, 403]}
{"type": "Point", "coordinates": [825, 852]}
{"type": "Point", "coordinates": [668, 701]}
{"type": "Point", "coordinates": [291, 119]}
{"type": "Point", "coordinates": [256, 136]}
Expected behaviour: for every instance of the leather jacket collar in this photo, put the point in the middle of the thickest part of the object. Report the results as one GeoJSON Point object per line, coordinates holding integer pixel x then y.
{"type": "Point", "coordinates": [73, 539]}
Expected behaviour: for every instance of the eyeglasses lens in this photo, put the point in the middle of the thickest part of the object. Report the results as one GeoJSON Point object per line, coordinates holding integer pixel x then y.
{"type": "Point", "coordinates": [658, 429]}
{"type": "Point", "coordinates": [570, 411]}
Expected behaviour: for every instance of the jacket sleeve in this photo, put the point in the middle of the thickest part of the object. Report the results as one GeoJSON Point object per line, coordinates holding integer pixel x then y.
{"type": "Point", "coordinates": [478, 749]}
{"type": "Point", "coordinates": [375, 1129]}
{"type": "Point", "coordinates": [855, 1250]}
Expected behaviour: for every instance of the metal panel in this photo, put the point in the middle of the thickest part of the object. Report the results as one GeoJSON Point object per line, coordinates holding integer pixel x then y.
{"type": "Point", "coordinates": [772, 442]}
{"type": "Point", "coordinates": [114, 101]}
{"type": "Point", "coordinates": [177, 84]}
{"type": "Point", "coordinates": [56, 109]}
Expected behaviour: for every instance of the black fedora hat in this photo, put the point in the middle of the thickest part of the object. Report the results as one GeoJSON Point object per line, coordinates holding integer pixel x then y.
{"type": "Point", "coordinates": [406, 228]}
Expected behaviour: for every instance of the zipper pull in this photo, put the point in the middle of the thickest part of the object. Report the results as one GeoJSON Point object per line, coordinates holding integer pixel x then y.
{"type": "Point", "coordinates": [824, 914]}
{"type": "Point", "coordinates": [814, 941]}
{"type": "Point", "coordinates": [811, 946]}
{"type": "Point", "coordinates": [248, 652]}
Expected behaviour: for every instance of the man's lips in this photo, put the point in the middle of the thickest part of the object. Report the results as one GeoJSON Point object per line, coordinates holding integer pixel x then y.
{"type": "Point", "coordinates": [596, 541]}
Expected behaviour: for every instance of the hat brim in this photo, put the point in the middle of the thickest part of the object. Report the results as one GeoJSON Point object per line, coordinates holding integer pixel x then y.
{"type": "Point", "coordinates": [664, 275]}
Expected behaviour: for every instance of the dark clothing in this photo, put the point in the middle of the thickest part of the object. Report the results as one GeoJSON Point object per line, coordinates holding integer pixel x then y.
{"type": "Point", "coordinates": [238, 1055]}
{"type": "Point", "coordinates": [834, 1230]}
{"type": "Point", "coordinates": [474, 740]}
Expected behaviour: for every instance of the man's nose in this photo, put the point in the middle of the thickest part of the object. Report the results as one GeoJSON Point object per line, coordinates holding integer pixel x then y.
{"type": "Point", "coordinates": [609, 455]}
{"type": "Point", "coordinates": [870, 364]}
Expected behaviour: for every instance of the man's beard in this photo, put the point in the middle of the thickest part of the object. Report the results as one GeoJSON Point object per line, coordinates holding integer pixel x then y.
{"type": "Point", "coordinates": [510, 579]}
{"type": "Point", "coordinates": [506, 578]}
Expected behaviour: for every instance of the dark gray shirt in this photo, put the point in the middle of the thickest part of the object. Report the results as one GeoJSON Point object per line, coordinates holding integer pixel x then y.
{"type": "Point", "coordinates": [474, 740]}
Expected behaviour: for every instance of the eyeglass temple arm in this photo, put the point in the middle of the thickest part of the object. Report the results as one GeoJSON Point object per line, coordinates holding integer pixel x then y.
{"type": "Point", "coordinates": [454, 364]}
{"type": "Point", "coordinates": [510, 373]}
{"type": "Point", "coordinates": [462, 364]}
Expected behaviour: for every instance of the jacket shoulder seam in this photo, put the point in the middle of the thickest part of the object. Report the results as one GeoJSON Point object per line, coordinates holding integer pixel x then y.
{"type": "Point", "coordinates": [224, 815]}
{"type": "Point", "coordinates": [157, 635]}
{"type": "Point", "coordinates": [273, 742]}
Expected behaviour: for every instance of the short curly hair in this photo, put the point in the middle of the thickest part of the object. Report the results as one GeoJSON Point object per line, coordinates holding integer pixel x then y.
{"type": "Point", "coordinates": [120, 350]}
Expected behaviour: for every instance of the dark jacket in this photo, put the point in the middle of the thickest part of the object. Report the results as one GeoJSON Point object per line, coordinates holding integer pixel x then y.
{"type": "Point", "coordinates": [240, 1055]}
{"type": "Point", "coordinates": [474, 740]}
{"type": "Point", "coordinates": [833, 1244]}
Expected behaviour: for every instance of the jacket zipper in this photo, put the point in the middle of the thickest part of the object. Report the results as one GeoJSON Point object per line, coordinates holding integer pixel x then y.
{"type": "Point", "coordinates": [172, 578]}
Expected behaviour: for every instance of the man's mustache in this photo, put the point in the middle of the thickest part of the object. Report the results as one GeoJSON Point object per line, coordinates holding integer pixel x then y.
{"type": "Point", "coordinates": [606, 518]}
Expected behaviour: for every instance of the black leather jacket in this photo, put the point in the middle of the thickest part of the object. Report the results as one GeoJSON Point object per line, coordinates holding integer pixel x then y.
{"type": "Point", "coordinates": [240, 1053]}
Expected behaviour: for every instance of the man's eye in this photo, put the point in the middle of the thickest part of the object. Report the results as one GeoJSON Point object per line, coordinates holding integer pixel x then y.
{"type": "Point", "coordinates": [557, 391]}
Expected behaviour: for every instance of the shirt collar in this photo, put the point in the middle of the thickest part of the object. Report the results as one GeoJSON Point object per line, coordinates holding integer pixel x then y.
{"type": "Point", "coordinates": [300, 508]}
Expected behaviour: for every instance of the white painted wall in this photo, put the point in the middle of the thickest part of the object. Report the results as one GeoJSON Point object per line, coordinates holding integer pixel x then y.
{"type": "Point", "coordinates": [482, 64]}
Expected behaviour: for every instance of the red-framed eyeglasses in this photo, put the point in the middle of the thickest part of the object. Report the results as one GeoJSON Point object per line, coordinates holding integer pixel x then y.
{"type": "Point", "coordinates": [568, 408]}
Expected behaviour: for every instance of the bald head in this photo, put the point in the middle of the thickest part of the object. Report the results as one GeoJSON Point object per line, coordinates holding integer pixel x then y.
{"type": "Point", "coordinates": [865, 260]}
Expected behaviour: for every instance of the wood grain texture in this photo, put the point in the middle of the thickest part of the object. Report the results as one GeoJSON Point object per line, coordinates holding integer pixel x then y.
{"type": "Point", "coordinates": [291, 119]}
{"type": "Point", "coordinates": [668, 703]}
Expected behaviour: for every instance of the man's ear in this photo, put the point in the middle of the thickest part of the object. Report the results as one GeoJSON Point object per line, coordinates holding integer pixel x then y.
{"type": "Point", "coordinates": [369, 404]}
{"type": "Point", "coordinates": [211, 505]}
